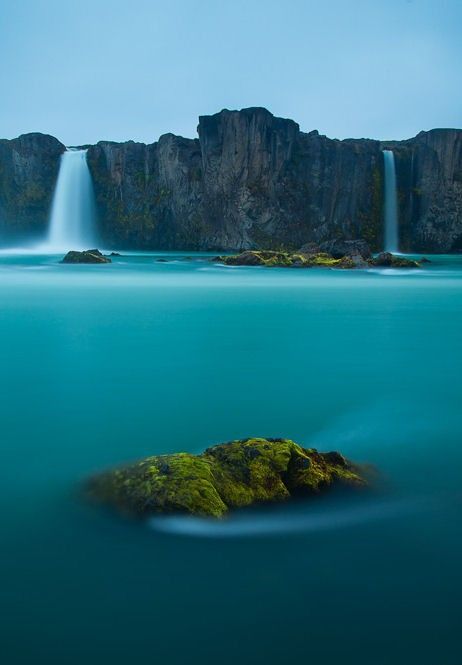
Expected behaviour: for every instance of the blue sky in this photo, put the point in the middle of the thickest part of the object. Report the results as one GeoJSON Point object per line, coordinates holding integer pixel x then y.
{"type": "Point", "coordinates": [88, 70]}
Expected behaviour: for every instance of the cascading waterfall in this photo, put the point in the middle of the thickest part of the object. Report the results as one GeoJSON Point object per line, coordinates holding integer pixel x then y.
{"type": "Point", "coordinates": [72, 224]}
{"type": "Point", "coordinates": [391, 203]}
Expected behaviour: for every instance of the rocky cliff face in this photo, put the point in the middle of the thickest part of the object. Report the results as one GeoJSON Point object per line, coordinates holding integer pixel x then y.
{"type": "Point", "coordinates": [250, 180]}
{"type": "Point", "coordinates": [429, 181]}
{"type": "Point", "coordinates": [28, 170]}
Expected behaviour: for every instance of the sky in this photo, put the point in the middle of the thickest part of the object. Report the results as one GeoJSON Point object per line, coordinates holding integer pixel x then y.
{"type": "Point", "coordinates": [86, 70]}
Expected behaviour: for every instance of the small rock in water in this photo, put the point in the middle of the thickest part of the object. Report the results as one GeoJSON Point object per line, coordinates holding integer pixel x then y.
{"type": "Point", "coordinates": [86, 256]}
{"type": "Point", "coordinates": [389, 260]}
{"type": "Point", "coordinates": [224, 477]}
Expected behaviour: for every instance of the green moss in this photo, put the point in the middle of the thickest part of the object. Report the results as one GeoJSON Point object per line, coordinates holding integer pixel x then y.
{"type": "Point", "coordinates": [282, 259]}
{"type": "Point", "coordinates": [224, 477]}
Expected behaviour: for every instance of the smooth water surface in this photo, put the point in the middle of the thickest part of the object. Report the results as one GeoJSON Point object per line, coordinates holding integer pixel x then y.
{"type": "Point", "coordinates": [102, 364]}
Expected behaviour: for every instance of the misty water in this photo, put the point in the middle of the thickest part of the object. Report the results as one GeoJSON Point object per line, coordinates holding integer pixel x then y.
{"type": "Point", "coordinates": [103, 364]}
{"type": "Point", "coordinates": [73, 211]}
{"type": "Point", "coordinates": [390, 203]}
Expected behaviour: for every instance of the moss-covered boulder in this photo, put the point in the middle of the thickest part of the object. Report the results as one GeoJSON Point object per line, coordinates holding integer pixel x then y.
{"type": "Point", "coordinates": [224, 477]}
{"type": "Point", "coordinates": [87, 256]}
{"type": "Point", "coordinates": [389, 260]}
{"type": "Point", "coordinates": [306, 258]}
{"type": "Point", "coordinates": [273, 259]}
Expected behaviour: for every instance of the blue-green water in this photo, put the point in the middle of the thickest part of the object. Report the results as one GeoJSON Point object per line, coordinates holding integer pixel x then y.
{"type": "Point", "coordinates": [101, 364]}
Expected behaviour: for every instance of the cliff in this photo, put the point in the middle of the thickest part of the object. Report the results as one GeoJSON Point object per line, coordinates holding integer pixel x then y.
{"type": "Point", "coordinates": [429, 181]}
{"type": "Point", "coordinates": [251, 180]}
{"type": "Point", "coordinates": [28, 170]}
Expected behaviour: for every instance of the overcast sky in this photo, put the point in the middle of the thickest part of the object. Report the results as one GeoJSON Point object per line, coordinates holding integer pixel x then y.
{"type": "Point", "coordinates": [85, 70]}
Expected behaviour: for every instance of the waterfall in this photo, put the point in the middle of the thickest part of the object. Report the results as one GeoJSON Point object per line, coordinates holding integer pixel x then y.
{"type": "Point", "coordinates": [391, 203]}
{"type": "Point", "coordinates": [72, 224]}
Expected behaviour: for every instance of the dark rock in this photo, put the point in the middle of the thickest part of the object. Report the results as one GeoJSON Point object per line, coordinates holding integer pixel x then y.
{"type": "Point", "coordinates": [339, 248]}
{"type": "Point", "coordinates": [224, 477]}
{"type": "Point", "coordinates": [114, 254]}
{"type": "Point", "coordinates": [28, 171]}
{"type": "Point", "coordinates": [270, 259]}
{"type": "Point", "coordinates": [250, 181]}
{"type": "Point", "coordinates": [87, 256]}
{"type": "Point", "coordinates": [388, 260]}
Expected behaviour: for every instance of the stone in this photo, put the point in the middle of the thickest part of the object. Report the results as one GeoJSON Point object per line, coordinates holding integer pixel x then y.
{"type": "Point", "coordinates": [87, 256]}
{"type": "Point", "coordinates": [224, 477]}
{"type": "Point", "coordinates": [388, 260]}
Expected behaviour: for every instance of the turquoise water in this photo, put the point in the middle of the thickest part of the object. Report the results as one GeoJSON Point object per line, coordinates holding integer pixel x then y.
{"type": "Point", "coordinates": [102, 364]}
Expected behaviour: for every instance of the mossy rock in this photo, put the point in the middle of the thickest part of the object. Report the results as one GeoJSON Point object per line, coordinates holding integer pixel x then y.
{"type": "Point", "coordinates": [389, 260]}
{"type": "Point", "coordinates": [225, 477]}
{"type": "Point", "coordinates": [273, 259]}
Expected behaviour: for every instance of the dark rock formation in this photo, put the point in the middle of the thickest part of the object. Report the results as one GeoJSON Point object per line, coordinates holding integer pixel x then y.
{"type": "Point", "coordinates": [230, 475]}
{"type": "Point", "coordinates": [250, 181]}
{"type": "Point", "coordinates": [429, 181]}
{"type": "Point", "coordinates": [388, 260]}
{"type": "Point", "coordinates": [272, 259]}
{"type": "Point", "coordinates": [28, 170]}
{"type": "Point", "coordinates": [339, 247]}
{"type": "Point", "coordinates": [87, 256]}
{"type": "Point", "coordinates": [309, 259]}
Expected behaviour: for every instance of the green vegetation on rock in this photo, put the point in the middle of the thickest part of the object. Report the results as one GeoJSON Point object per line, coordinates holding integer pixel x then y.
{"type": "Point", "coordinates": [226, 476]}
{"type": "Point", "coordinates": [272, 259]}
{"type": "Point", "coordinates": [300, 259]}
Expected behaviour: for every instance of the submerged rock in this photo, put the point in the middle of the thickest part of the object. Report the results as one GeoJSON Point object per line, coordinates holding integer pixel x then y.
{"type": "Point", "coordinates": [87, 256]}
{"type": "Point", "coordinates": [226, 476]}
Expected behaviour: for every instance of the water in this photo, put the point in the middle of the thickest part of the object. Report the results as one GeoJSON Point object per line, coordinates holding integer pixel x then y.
{"type": "Point", "coordinates": [102, 364]}
{"type": "Point", "coordinates": [391, 203]}
{"type": "Point", "coordinates": [72, 215]}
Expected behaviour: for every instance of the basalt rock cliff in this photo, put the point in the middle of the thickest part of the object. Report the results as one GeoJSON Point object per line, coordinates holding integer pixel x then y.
{"type": "Point", "coordinates": [28, 171]}
{"type": "Point", "coordinates": [250, 180]}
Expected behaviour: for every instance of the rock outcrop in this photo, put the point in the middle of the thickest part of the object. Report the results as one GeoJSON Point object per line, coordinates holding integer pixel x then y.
{"type": "Point", "coordinates": [309, 259]}
{"type": "Point", "coordinates": [28, 171]}
{"type": "Point", "coordinates": [87, 256]}
{"type": "Point", "coordinates": [249, 181]}
{"type": "Point", "coordinates": [429, 181]}
{"type": "Point", "coordinates": [224, 477]}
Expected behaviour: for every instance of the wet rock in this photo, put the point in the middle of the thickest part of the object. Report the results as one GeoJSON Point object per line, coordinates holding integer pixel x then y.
{"type": "Point", "coordinates": [339, 248]}
{"type": "Point", "coordinates": [224, 477]}
{"type": "Point", "coordinates": [389, 260]}
{"type": "Point", "coordinates": [87, 256]}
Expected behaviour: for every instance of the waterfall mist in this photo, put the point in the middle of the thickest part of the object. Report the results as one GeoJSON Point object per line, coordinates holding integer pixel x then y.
{"type": "Point", "coordinates": [72, 224]}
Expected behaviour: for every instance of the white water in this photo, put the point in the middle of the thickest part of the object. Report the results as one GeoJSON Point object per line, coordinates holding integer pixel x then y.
{"type": "Point", "coordinates": [73, 212]}
{"type": "Point", "coordinates": [391, 203]}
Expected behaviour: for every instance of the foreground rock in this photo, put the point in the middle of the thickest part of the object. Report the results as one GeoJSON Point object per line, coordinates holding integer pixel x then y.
{"type": "Point", "coordinates": [87, 256]}
{"type": "Point", "coordinates": [227, 476]}
{"type": "Point", "coordinates": [307, 258]}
